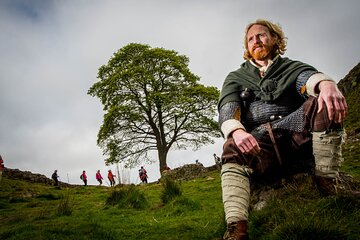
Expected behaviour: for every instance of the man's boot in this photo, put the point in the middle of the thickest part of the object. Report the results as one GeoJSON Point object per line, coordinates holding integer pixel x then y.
{"type": "Point", "coordinates": [236, 231]}
{"type": "Point", "coordinates": [326, 186]}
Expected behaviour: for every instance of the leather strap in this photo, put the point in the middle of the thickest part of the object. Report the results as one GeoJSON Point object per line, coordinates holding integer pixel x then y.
{"type": "Point", "coordinates": [271, 134]}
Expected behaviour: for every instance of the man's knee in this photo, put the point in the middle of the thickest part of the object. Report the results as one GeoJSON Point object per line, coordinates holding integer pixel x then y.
{"type": "Point", "coordinates": [231, 153]}
{"type": "Point", "coordinates": [318, 121]}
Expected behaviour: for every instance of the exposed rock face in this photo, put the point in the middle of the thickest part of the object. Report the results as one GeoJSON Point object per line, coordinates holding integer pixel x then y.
{"type": "Point", "coordinates": [30, 177]}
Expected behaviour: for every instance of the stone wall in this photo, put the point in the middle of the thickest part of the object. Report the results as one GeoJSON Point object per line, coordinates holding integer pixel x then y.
{"type": "Point", "coordinates": [188, 172]}
{"type": "Point", "coordinates": [30, 177]}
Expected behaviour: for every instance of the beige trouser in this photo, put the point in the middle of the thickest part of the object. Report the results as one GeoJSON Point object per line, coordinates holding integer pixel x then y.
{"type": "Point", "coordinates": [327, 153]}
{"type": "Point", "coordinates": [235, 191]}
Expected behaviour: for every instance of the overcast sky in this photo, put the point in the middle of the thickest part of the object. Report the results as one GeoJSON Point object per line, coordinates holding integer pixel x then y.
{"type": "Point", "coordinates": [50, 52]}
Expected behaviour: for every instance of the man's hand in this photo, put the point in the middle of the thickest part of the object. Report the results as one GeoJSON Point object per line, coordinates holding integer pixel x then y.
{"type": "Point", "coordinates": [246, 142]}
{"type": "Point", "coordinates": [333, 99]}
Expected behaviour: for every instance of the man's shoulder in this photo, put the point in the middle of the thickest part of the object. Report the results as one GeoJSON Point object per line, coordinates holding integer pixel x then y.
{"type": "Point", "coordinates": [286, 60]}
{"type": "Point", "coordinates": [244, 68]}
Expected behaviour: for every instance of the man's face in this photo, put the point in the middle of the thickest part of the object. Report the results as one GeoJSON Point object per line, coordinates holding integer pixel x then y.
{"type": "Point", "coordinates": [260, 42]}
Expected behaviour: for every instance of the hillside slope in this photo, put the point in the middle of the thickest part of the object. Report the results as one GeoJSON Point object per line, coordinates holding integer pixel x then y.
{"type": "Point", "coordinates": [350, 86]}
{"type": "Point", "coordinates": [294, 210]}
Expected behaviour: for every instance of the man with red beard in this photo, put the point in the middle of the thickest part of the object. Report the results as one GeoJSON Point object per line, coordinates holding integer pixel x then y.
{"type": "Point", "coordinates": [279, 117]}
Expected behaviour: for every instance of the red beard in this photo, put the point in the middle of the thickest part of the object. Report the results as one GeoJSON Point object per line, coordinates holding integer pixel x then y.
{"type": "Point", "coordinates": [265, 51]}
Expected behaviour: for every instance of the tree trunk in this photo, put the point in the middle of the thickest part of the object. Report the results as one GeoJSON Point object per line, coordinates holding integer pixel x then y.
{"type": "Point", "coordinates": [162, 153]}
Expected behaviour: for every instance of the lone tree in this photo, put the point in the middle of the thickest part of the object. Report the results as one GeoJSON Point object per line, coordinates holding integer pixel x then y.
{"type": "Point", "coordinates": [152, 102]}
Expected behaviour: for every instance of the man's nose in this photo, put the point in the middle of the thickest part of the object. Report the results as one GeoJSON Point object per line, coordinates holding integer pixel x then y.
{"type": "Point", "coordinates": [257, 39]}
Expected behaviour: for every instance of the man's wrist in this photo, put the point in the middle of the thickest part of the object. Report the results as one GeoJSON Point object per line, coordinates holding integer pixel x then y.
{"type": "Point", "coordinates": [318, 86]}
{"type": "Point", "coordinates": [312, 84]}
{"type": "Point", "coordinates": [237, 130]}
{"type": "Point", "coordinates": [229, 126]}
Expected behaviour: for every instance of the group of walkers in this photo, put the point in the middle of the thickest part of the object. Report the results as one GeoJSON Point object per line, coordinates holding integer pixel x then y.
{"type": "Point", "coordinates": [99, 178]}
{"type": "Point", "coordinates": [84, 178]}
{"type": "Point", "coordinates": [142, 174]}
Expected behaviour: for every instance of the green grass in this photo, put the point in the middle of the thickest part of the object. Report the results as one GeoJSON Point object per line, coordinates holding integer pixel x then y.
{"type": "Point", "coordinates": [351, 155]}
{"type": "Point", "coordinates": [353, 114]}
{"type": "Point", "coordinates": [35, 211]}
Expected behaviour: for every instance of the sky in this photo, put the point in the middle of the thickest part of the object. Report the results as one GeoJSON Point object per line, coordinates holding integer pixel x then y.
{"type": "Point", "coordinates": [50, 53]}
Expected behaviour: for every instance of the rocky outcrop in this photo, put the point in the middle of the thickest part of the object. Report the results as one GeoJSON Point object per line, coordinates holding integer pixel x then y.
{"type": "Point", "coordinates": [186, 172]}
{"type": "Point", "coordinates": [30, 177]}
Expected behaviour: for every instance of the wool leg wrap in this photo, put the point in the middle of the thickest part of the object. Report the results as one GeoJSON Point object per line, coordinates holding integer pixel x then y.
{"type": "Point", "coordinates": [327, 153]}
{"type": "Point", "coordinates": [235, 191]}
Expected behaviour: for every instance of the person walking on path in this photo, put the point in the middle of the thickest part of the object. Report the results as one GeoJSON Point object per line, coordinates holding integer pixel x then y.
{"type": "Point", "coordinates": [198, 163]}
{"type": "Point", "coordinates": [99, 178]}
{"type": "Point", "coordinates": [2, 167]}
{"type": "Point", "coordinates": [143, 175]}
{"type": "Point", "coordinates": [84, 178]}
{"type": "Point", "coordinates": [55, 177]}
{"type": "Point", "coordinates": [111, 178]}
{"type": "Point", "coordinates": [217, 160]}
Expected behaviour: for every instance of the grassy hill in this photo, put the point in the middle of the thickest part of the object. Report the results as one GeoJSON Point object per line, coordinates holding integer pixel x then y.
{"type": "Point", "coordinates": [36, 211]}
{"type": "Point", "coordinates": [295, 211]}
{"type": "Point", "coordinates": [350, 86]}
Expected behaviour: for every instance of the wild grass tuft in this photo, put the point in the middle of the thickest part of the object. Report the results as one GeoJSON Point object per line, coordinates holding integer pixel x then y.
{"type": "Point", "coordinates": [66, 206]}
{"type": "Point", "coordinates": [127, 197]}
{"type": "Point", "coordinates": [180, 205]}
{"type": "Point", "coordinates": [331, 218]}
{"type": "Point", "coordinates": [48, 196]}
{"type": "Point", "coordinates": [171, 189]}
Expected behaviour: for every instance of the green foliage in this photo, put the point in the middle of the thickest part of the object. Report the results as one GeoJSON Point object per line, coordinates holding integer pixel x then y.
{"type": "Point", "coordinates": [332, 218]}
{"type": "Point", "coordinates": [152, 102]}
{"type": "Point", "coordinates": [351, 153]}
{"type": "Point", "coordinates": [180, 205]}
{"type": "Point", "coordinates": [65, 206]}
{"type": "Point", "coordinates": [353, 115]}
{"type": "Point", "coordinates": [18, 199]}
{"type": "Point", "coordinates": [171, 189]}
{"type": "Point", "coordinates": [96, 230]}
{"type": "Point", "coordinates": [48, 196]}
{"type": "Point", "coordinates": [127, 197]}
